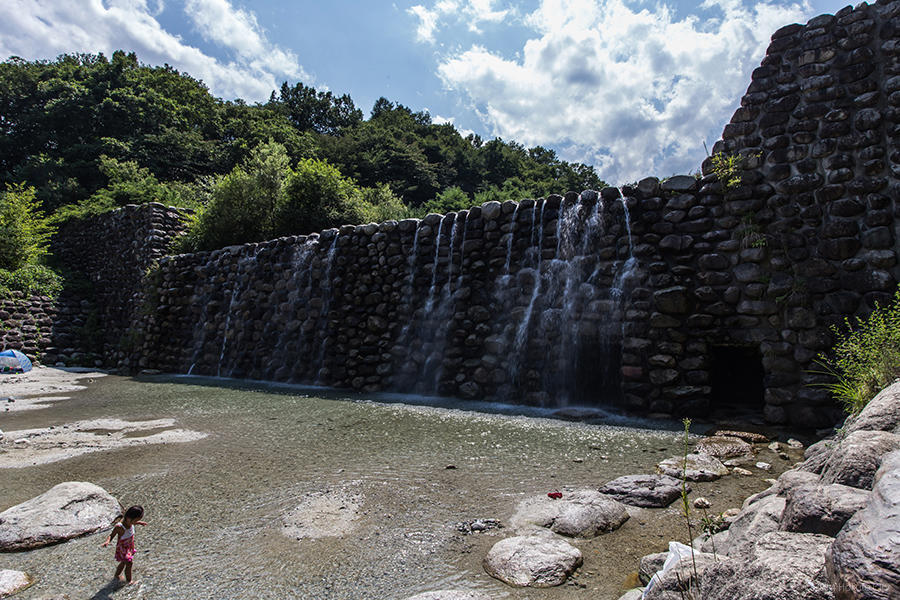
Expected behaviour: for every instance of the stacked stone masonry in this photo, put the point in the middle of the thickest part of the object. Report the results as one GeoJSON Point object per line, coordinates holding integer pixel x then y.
{"type": "Point", "coordinates": [106, 258]}
{"type": "Point", "coordinates": [627, 296]}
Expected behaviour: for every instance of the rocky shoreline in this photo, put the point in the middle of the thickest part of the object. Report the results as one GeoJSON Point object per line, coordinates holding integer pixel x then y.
{"type": "Point", "coordinates": [829, 528]}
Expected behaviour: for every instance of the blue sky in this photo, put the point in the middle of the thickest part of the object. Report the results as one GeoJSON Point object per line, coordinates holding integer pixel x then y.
{"type": "Point", "coordinates": [632, 87]}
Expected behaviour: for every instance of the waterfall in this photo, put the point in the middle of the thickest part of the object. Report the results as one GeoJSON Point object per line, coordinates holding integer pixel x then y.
{"type": "Point", "coordinates": [238, 287]}
{"type": "Point", "coordinates": [521, 338]}
{"type": "Point", "coordinates": [326, 287]}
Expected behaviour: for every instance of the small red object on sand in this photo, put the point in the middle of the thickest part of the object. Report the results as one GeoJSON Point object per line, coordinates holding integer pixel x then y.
{"type": "Point", "coordinates": [555, 495]}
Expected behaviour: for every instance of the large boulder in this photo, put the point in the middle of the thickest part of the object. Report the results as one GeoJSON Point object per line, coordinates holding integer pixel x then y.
{"type": "Point", "coordinates": [856, 458]}
{"type": "Point", "coordinates": [821, 508]}
{"type": "Point", "coordinates": [12, 582]}
{"type": "Point", "coordinates": [864, 561]}
{"type": "Point", "coordinates": [723, 447]}
{"type": "Point", "coordinates": [648, 491]}
{"type": "Point", "coordinates": [754, 521]}
{"type": "Point", "coordinates": [579, 513]}
{"type": "Point", "coordinates": [65, 511]}
{"type": "Point", "coordinates": [815, 456]}
{"type": "Point", "coordinates": [700, 467]}
{"type": "Point", "coordinates": [536, 560]}
{"type": "Point", "coordinates": [780, 566]}
{"type": "Point", "coordinates": [683, 579]}
{"type": "Point", "coordinates": [882, 413]}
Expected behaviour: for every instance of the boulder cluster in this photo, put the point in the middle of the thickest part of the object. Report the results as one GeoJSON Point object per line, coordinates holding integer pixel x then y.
{"type": "Point", "coordinates": [829, 528]}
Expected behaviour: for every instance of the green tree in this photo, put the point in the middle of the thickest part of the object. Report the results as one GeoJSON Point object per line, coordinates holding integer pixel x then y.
{"type": "Point", "coordinates": [312, 110]}
{"type": "Point", "coordinates": [242, 207]}
{"type": "Point", "coordinates": [317, 197]}
{"type": "Point", "coordinates": [24, 230]}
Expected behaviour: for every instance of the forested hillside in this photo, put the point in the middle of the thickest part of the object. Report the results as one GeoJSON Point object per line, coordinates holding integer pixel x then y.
{"type": "Point", "coordinates": [84, 125]}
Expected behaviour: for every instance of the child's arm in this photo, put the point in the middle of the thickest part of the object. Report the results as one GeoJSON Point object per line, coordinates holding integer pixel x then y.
{"type": "Point", "coordinates": [141, 523]}
{"type": "Point", "coordinates": [117, 530]}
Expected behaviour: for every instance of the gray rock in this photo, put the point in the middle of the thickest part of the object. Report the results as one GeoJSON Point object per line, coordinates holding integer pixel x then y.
{"type": "Point", "coordinates": [682, 580]}
{"type": "Point", "coordinates": [700, 467]}
{"type": "Point", "coordinates": [650, 564]}
{"type": "Point", "coordinates": [864, 561]}
{"type": "Point", "coordinates": [747, 436]}
{"type": "Point", "coordinates": [65, 511]}
{"type": "Point", "coordinates": [536, 560]}
{"type": "Point", "coordinates": [635, 594]}
{"type": "Point", "coordinates": [12, 582]}
{"type": "Point", "coordinates": [649, 491]}
{"type": "Point", "coordinates": [882, 413]}
{"type": "Point", "coordinates": [856, 458]}
{"type": "Point", "coordinates": [716, 543]}
{"type": "Point", "coordinates": [781, 566]}
{"type": "Point", "coordinates": [579, 513]}
{"type": "Point", "coordinates": [722, 447]}
{"type": "Point", "coordinates": [819, 508]}
{"type": "Point", "coordinates": [755, 520]}
{"type": "Point", "coordinates": [680, 183]}
{"type": "Point", "coordinates": [816, 455]}
{"type": "Point", "coordinates": [450, 595]}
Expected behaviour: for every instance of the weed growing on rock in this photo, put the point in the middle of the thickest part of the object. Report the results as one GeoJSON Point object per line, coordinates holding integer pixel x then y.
{"type": "Point", "coordinates": [865, 358]}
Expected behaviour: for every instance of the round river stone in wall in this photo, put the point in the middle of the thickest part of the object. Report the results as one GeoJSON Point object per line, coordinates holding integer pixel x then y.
{"type": "Point", "coordinates": [65, 511]}
{"type": "Point", "coordinates": [648, 491]}
{"type": "Point", "coordinates": [578, 513]}
{"type": "Point", "coordinates": [536, 560]}
{"type": "Point", "coordinates": [700, 467]}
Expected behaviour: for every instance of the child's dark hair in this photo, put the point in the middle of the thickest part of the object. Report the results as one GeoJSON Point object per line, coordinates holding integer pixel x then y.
{"type": "Point", "coordinates": [134, 512]}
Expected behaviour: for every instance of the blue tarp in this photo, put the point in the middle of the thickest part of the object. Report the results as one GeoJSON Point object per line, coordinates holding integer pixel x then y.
{"type": "Point", "coordinates": [13, 361]}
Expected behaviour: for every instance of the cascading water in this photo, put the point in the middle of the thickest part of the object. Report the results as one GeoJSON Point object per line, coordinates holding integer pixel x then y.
{"type": "Point", "coordinates": [327, 285]}
{"type": "Point", "coordinates": [239, 285]}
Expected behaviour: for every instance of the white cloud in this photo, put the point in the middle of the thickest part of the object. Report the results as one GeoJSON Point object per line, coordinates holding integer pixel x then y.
{"type": "Point", "coordinates": [471, 12]}
{"type": "Point", "coordinates": [427, 22]}
{"type": "Point", "coordinates": [631, 90]}
{"type": "Point", "coordinates": [43, 29]}
{"type": "Point", "coordinates": [220, 23]}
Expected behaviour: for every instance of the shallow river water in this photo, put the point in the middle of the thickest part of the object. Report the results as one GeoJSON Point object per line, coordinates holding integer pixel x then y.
{"type": "Point", "coordinates": [215, 506]}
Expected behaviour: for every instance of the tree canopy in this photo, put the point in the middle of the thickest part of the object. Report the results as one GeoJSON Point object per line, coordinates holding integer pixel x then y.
{"type": "Point", "coordinates": [94, 133]}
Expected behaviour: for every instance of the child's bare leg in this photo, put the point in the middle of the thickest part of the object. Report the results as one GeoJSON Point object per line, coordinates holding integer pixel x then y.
{"type": "Point", "coordinates": [119, 570]}
{"type": "Point", "coordinates": [128, 573]}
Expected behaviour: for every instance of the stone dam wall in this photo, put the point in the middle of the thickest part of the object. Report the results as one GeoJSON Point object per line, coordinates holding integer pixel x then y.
{"type": "Point", "coordinates": [677, 296]}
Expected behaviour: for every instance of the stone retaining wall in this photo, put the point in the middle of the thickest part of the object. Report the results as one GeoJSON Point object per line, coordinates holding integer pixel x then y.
{"type": "Point", "coordinates": [107, 257]}
{"type": "Point", "coordinates": [49, 331]}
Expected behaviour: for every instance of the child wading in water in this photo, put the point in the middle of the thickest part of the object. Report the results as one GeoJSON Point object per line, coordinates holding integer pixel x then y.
{"type": "Point", "coordinates": [124, 529]}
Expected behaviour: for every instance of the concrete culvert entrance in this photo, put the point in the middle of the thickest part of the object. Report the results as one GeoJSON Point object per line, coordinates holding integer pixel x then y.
{"type": "Point", "coordinates": [736, 375]}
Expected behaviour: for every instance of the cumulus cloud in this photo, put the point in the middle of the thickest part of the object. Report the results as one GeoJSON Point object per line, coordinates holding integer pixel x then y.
{"type": "Point", "coordinates": [631, 90]}
{"type": "Point", "coordinates": [43, 29]}
{"type": "Point", "coordinates": [444, 12]}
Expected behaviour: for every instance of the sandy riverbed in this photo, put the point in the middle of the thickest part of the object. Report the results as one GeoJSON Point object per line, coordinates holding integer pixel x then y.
{"type": "Point", "coordinates": [44, 387]}
{"type": "Point", "coordinates": [41, 386]}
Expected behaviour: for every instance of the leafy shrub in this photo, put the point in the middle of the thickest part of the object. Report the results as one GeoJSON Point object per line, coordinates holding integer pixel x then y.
{"type": "Point", "coordinates": [24, 231]}
{"type": "Point", "coordinates": [128, 184]}
{"type": "Point", "coordinates": [33, 280]}
{"type": "Point", "coordinates": [451, 199]}
{"type": "Point", "coordinates": [727, 168]}
{"type": "Point", "coordinates": [865, 357]}
{"type": "Point", "coordinates": [242, 204]}
{"type": "Point", "coordinates": [316, 196]}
